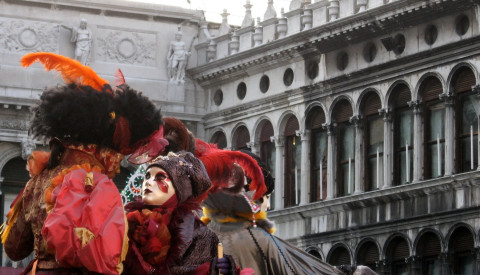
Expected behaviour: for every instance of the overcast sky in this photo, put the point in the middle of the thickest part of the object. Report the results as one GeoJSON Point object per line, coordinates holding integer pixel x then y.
{"type": "Point", "coordinates": [213, 8]}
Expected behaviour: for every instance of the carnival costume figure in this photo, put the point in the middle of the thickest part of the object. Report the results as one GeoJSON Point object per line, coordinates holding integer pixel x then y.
{"type": "Point", "coordinates": [166, 235]}
{"type": "Point", "coordinates": [236, 212]}
{"type": "Point", "coordinates": [70, 212]}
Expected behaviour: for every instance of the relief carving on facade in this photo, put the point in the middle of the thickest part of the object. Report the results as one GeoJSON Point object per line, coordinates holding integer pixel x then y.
{"type": "Point", "coordinates": [126, 47]}
{"type": "Point", "coordinates": [21, 36]}
{"type": "Point", "coordinates": [14, 124]}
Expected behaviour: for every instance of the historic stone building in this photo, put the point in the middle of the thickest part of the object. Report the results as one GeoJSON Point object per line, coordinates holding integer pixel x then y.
{"type": "Point", "coordinates": [366, 111]}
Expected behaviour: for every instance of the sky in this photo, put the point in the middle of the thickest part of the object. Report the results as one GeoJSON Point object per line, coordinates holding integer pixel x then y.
{"type": "Point", "coordinates": [213, 8]}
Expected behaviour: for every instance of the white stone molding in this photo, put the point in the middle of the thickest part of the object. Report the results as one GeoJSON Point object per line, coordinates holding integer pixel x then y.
{"type": "Point", "coordinates": [24, 36]}
{"type": "Point", "coordinates": [224, 27]}
{"type": "Point", "coordinates": [270, 12]}
{"type": "Point", "coordinates": [258, 34]}
{"type": "Point", "coordinates": [28, 145]}
{"type": "Point", "coordinates": [248, 20]}
{"type": "Point", "coordinates": [307, 19]}
{"type": "Point", "coordinates": [333, 9]}
{"type": "Point", "coordinates": [126, 47]}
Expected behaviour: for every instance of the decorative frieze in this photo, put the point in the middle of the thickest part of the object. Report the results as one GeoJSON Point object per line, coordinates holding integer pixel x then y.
{"type": "Point", "coordinates": [14, 124]}
{"type": "Point", "coordinates": [126, 47]}
{"type": "Point", "coordinates": [23, 36]}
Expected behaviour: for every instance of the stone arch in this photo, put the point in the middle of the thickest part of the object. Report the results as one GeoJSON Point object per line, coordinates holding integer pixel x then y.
{"type": "Point", "coordinates": [310, 107]}
{"type": "Point", "coordinates": [235, 132]}
{"type": "Point", "coordinates": [366, 92]}
{"type": "Point", "coordinates": [454, 71]}
{"type": "Point", "coordinates": [416, 93]}
{"type": "Point", "coordinates": [315, 251]}
{"type": "Point", "coordinates": [257, 128]}
{"type": "Point", "coordinates": [218, 131]}
{"type": "Point", "coordinates": [282, 121]}
{"type": "Point", "coordinates": [363, 242]}
{"type": "Point", "coordinates": [391, 238]}
{"type": "Point", "coordinates": [335, 248]}
{"type": "Point", "coordinates": [392, 88]}
{"type": "Point", "coordinates": [334, 103]}
{"type": "Point", "coordinates": [8, 151]}
{"type": "Point", "coordinates": [454, 228]}
{"type": "Point", "coordinates": [425, 231]}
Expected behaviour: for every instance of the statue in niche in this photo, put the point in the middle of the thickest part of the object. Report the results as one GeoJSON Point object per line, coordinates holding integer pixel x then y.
{"type": "Point", "coordinates": [177, 59]}
{"type": "Point", "coordinates": [82, 37]}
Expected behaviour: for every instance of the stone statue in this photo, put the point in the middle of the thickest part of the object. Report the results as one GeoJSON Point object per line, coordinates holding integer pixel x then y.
{"type": "Point", "coordinates": [82, 37]}
{"type": "Point", "coordinates": [177, 59]}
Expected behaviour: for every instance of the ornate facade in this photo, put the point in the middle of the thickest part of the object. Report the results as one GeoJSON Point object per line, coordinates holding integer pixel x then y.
{"type": "Point", "coordinates": [366, 111]}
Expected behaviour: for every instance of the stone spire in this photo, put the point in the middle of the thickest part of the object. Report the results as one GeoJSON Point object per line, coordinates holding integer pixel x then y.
{"type": "Point", "coordinates": [224, 27]}
{"type": "Point", "coordinates": [248, 20]}
{"type": "Point", "coordinates": [295, 5]}
{"type": "Point", "coordinates": [271, 12]}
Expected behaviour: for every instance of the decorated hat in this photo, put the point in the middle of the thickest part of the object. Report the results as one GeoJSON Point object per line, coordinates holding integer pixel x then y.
{"type": "Point", "coordinates": [267, 176]}
{"type": "Point", "coordinates": [187, 173]}
{"type": "Point", "coordinates": [89, 110]}
{"type": "Point", "coordinates": [178, 136]}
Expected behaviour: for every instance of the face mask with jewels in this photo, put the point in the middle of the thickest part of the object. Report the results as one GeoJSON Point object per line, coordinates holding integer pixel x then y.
{"type": "Point", "coordinates": [157, 187]}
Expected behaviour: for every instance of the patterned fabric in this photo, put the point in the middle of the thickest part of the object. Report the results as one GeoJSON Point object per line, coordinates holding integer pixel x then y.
{"type": "Point", "coordinates": [25, 234]}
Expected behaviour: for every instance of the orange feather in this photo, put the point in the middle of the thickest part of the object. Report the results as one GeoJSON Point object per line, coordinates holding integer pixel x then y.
{"type": "Point", "coordinates": [71, 70]}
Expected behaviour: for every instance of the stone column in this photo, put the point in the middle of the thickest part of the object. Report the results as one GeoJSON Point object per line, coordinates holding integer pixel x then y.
{"type": "Point", "coordinates": [417, 140]}
{"type": "Point", "coordinates": [359, 165]}
{"type": "Point", "coordinates": [449, 133]}
{"type": "Point", "coordinates": [415, 265]}
{"type": "Point", "coordinates": [305, 136]}
{"type": "Point", "coordinates": [252, 147]}
{"type": "Point", "coordinates": [279, 169]}
{"type": "Point", "coordinates": [331, 160]}
{"type": "Point", "coordinates": [387, 147]}
{"type": "Point", "coordinates": [476, 89]}
{"type": "Point", "coordinates": [444, 260]}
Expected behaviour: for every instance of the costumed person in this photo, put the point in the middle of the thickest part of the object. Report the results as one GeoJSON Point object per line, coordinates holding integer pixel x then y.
{"type": "Point", "coordinates": [236, 212]}
{"type": "Point", "coordinates": [179, 139]}
{"type": "Point", "coordinates": [166, 236]}
{"type": "Point", "coordinates": [70, 212]}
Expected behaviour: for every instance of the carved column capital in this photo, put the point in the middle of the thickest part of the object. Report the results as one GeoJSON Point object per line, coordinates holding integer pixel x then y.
{"type": "Point", "coordinates": [303, 134]}
{"type": "Point", "coordinates": [250, 144]}
{"type": "Point", "coordinates": [386, 113]}
{"type": "Point", "coordinates": [447, 99]}
{"type": "Point", "coordinates": [28, 145]}
{"type": "Point", "coordinates": [356, 120]}
{"type": "Point", "coordinates": [330, 127]}
{"type": "Point", "coordinates": [278, 140]}
{"type": "Point", "coordinates": [416, 105]}
{"type": "Point", "coordinates": [476, 89]}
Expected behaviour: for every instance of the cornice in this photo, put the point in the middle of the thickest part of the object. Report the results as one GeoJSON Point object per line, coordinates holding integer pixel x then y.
{"type": "Point", "coordinates": [352, 29]}
{"type": "Point", "coordinates": [124, 7]}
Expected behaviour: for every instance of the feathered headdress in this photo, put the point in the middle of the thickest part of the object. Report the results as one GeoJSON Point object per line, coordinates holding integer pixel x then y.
{"type": "Point", "coordinates": [88, 110]}
{"type": "Point", "coordinates": [220, 165]}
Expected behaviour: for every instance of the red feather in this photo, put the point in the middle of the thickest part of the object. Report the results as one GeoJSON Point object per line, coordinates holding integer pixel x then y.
{"type": "Point", "coordinates": [219, 165]}
{"type": "Point", "coordinates": [119, 78]}
{"type": "Point", "coordinates": [71, 70]}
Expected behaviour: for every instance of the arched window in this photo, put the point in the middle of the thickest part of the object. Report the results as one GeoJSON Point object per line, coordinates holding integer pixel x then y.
{"type": "Point", "coordinates": [240, 138]}
{"type": "Point", "coordinates": [318, 155]}
{"type": "Point", "coordinates": [429, 249]}
{"type": "Point", "coordinates": [396, 253]}
{"type": "Point", "coordinates": [293, 152]}
{"type": "Point", "coordinates": [15, 175]}
{"type": "Point", "coordinates": [460, 246]}
{"type": "Point", "coordinates": [219, 139]}
{"type": "Point", "coordinates": [373, 135]}
{"type": "Point", "coordinates": [345, 145]}
{"type": "Point", "coordinates": [368, 255]}
{"type": "Point", "coordinates": [340, 256]}
{"type": "Point", "coordinates": [268, 152]}
{"type": "Point", "coordinates": [434, 125]}
{"type": "Point", "coordinates": [403, 135]}
{"type": "Point", "coordinates": [467, 111]}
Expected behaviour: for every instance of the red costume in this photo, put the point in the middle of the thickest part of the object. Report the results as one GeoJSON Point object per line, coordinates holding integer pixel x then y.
{"type": "Point", "coordinates": [70, 213]}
